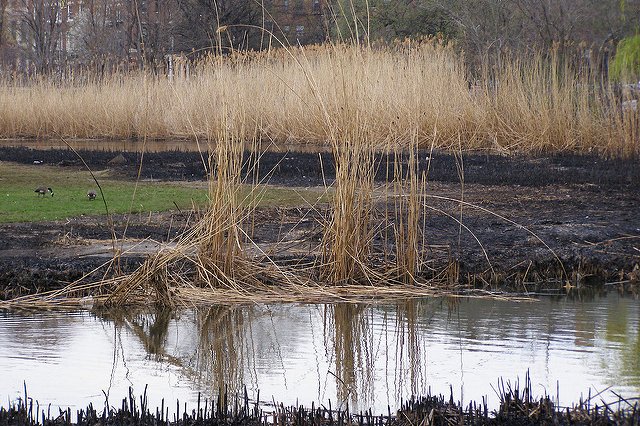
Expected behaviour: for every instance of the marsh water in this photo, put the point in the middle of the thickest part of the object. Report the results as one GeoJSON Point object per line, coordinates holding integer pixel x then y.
{"type": "Point", "coordinates": [366, 355]}
{"type": "Point", "coordinates": [151, 145]}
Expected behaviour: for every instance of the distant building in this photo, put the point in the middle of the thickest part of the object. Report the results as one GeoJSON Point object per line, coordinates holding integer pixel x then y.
{"type": "Point", "coordinates": [300, 21]}
{"type": "Point", "coordinates": [44, 34]}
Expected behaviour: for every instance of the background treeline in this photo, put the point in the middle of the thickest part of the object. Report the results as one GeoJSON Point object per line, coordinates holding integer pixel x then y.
{"type": "Point", "coordinates": [482, 26]}
{"type": "Point", "coordinates": [584, 31]}
{"type": "Point", "coordinates": [46, 35]}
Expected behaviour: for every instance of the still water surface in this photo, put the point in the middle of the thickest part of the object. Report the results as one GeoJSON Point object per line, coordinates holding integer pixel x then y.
{"type": "Point", "coordinates": [151, 145]}
{"type": "Point", "coordinates": [366, 355]}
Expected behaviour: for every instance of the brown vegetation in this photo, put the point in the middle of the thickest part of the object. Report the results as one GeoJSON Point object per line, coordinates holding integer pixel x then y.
{"type": "Point", "coordinates": [534, 105]}
{"type": "Point", "coordinates": [356, 99]}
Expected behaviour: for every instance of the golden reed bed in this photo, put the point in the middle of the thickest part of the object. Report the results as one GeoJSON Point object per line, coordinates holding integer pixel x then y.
{"type": "Point", "coordinates": [304, 94]}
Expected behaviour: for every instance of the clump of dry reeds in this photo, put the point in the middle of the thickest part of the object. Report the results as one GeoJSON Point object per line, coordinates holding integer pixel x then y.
{"type": "Point", "coordinates": [542, 104]}
{"type": "Point", "coordinates": [409, 194]}
{"type": "Point", "coordinates": [220, 229]}
{"type": "Point", "coordinates": [348, 233]}
{"type": "Point", "coordinates": [212, 254]}
{"type": "Point", "coordinates": [354, 221]}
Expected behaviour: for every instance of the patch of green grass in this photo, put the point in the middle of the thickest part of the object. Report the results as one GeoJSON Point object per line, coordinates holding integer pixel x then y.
{"type": "Point", "coordinates": [626, 64]}
{"type": "Point", "coordinates": [19, 202]}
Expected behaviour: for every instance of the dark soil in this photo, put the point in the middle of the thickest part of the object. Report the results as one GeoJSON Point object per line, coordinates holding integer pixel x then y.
{"type": "Point", "coordinates": [584, 208]}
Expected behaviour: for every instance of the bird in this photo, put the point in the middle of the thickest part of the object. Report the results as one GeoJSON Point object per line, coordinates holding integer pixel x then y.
{"type": "Point", "coordinates": [41, 190]}
{"type": "Point", "coordinates": [91, 194]}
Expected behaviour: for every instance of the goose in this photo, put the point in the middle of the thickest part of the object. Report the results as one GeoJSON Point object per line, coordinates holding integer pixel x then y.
{"type": "Point", "coordinates": [91, 194]}
{"type": "Point", "coordinates": [41, 190]}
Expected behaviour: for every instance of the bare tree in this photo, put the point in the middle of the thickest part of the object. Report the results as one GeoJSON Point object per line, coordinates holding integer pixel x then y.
{"type": "Point", "coordinates": [386, 20]}
{"type": "Point", "coordinates": [484, 27]}
{"type": "Point", "coordinates": [43, 20]}
{"type": "Point", "coordinates": [101, 31]}
{"type": "Point", "coordinates": [491, 27]}
{"type": "Point", "coordinates": [217, 24]}
{"type": "Point", "coordinates": [154, 32]}
{"type": "Point", "coordinates": [3, 8]}
{"type": "Point", "coordinates": [554, 21]}
{"type": "Point", "coordinates": [137, 31]}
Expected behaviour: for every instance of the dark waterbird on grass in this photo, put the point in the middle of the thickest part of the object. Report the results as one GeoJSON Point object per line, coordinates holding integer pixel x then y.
{"type": "Point", "coordinates": [92, 194]}
{"type": "Point", "coordinates": [42, 190]}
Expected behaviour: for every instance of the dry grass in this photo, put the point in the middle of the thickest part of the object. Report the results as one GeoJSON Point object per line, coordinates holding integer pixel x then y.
{"type": "Point", "coordinates": [348, 232]}
{"type": "Point", "coordinates": [528, 106]}
{"type": "Point", "coordinates": [409, 215]}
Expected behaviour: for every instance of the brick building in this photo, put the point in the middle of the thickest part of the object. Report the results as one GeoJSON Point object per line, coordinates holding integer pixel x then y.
{"type": "Point", "coordinates": [301, 21]}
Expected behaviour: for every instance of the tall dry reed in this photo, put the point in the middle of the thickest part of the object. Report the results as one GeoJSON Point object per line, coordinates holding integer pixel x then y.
{"type": "Point", "coordinates": [220, 229]}
{"type": "Point", "coordinates": [408, 215]}
{"type": "Point", "coordinates": [349, 233]}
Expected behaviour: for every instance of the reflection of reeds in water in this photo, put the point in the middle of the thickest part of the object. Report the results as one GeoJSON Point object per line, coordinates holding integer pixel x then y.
{"type": "Point", "coordinates": [221, 353]}
{"type": "Point", "coordinates": [348, 333]}
{"type": "Point", "coordinates": [152, 330]}
{"type": "Point", "coordinates": [408, 347]}
{"type": "Point", "coordinates": [361, 345]}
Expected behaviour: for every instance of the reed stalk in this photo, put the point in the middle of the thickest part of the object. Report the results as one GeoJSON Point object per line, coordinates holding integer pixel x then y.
{"type": "Point", "coordinates": [220, 236]}
{"type": "Point", "coordinates": [348, 332]}
{"type": "Point", "coordinates": [409, 194]}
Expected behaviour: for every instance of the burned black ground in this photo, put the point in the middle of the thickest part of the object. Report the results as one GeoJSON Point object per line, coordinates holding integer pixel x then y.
{"type": "Point", "coordinates": [304, 168]}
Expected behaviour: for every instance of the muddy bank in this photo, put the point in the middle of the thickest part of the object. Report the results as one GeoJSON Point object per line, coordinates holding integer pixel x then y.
{"type": "Point", "coordinates": [528, 224]}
